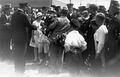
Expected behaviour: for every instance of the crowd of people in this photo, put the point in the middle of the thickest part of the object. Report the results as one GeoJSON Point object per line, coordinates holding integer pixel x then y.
{"type": "Point", "coordinates": [61, 38]}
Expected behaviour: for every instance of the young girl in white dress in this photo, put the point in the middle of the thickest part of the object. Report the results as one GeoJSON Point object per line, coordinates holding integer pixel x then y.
{"type": "Point", "coordinates": [41, 42]}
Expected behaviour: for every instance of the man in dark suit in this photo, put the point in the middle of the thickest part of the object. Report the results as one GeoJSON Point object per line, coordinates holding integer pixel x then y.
{"type": "Point", "coordinates": [58, 27]}
{"type": "Point", "coordinates": [20, 25]}
{"type": "Point", "coordinates": [5, 32]}
{"type": "Point", "coordinates": [70, 10]}
{"type": "Point", "coordinates": [114, 30]}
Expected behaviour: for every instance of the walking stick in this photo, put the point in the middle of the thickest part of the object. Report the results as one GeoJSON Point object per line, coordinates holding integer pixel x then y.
{"type": "Point", "coordinates": [63, 58]}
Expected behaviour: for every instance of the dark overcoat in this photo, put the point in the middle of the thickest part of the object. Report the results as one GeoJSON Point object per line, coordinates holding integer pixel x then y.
{"type": "Point", "coordinates": [5, 34]}
{"type": "Point", "coordinates": [20, 25]}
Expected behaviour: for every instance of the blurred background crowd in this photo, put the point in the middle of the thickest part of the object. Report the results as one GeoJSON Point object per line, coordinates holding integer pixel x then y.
{"type": "Point", "coordinates": [39, 26]}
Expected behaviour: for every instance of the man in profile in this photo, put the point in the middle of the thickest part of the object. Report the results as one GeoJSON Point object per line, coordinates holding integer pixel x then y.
{"type": "Point", "coordinates": [20, 25]}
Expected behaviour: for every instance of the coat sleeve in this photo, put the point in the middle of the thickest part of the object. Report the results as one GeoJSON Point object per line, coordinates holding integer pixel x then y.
{"type": "Point", "coordinates": [101, 41]}
{"type": "Point", "coordinates": [75, 23]}
{"type": "Point", "coordinates": [2, 19]}
{"type": "Point", "coordinates": [27, 22]}
{"type": "Point", "coordinates": [52, 25]}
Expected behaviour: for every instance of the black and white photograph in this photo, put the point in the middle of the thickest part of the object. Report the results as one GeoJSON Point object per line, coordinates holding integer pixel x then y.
{"type": "Point", "coordinates": [59, 38]}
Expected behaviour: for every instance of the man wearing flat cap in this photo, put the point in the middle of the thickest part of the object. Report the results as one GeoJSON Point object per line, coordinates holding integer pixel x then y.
{"type": "Point", "coordinates": [5, 31]}
{"type": "Point", "coordinates": [20, 25]}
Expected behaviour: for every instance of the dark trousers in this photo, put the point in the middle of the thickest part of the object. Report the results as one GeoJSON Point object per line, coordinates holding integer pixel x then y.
{"type": "Point", "coordinates": [19, 57]}
{"type": "Point", "coordinates": [5, 49]}
{"type": "Point", "coordinates": [5, 37]}
{"type": "Point", "coordinates": [29, 53]}
{"type": "Point", "coordinates": [73, 62]}
{"type": "Point", "coordinates": [56, 56]}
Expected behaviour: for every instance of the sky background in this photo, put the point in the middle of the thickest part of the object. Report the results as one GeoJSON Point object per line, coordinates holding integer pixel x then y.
{"type": "Point", "coordinates": [77, 3]}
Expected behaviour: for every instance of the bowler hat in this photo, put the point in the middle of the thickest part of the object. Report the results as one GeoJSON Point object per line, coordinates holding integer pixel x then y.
{"type": "Point", "coordinates": [93, 7]}
{"type": "Point", "coordinates": [22, 5]}
{"type": "Point", "coordinates": [70, 5]}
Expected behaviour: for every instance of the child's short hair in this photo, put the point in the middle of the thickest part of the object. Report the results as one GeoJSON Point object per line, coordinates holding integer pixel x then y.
{"type": "Point", "coordinates": [101, 16]}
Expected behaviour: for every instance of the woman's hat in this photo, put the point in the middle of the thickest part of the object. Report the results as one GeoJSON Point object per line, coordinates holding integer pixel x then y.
{"type": "Point", "coordinates": [7, 7]}
{"type": "Point", "coordinates": [39, 14]}
{"type": "Point", "coordinates": [51, 10]}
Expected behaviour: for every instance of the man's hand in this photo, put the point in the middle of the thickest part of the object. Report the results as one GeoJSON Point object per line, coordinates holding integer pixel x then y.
{"type": "Point", "coordinates": [97, 54]}
{"type": "Point", "coordinates": [67, 48]}
{"type": "Point", "coordinates": [119, 36]}
{"type": "Point", "coordinates": [7, 25]}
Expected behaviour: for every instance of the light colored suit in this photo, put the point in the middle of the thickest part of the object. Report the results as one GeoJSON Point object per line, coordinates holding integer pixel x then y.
{"type": "Point", "coordinates": [99, 38]}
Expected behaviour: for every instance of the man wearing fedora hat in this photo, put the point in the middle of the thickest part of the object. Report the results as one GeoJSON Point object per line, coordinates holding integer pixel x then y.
{"type": "Point", "coordinates": [20, 25]}
{"type": "Point", "coordinates": [5, 30]}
